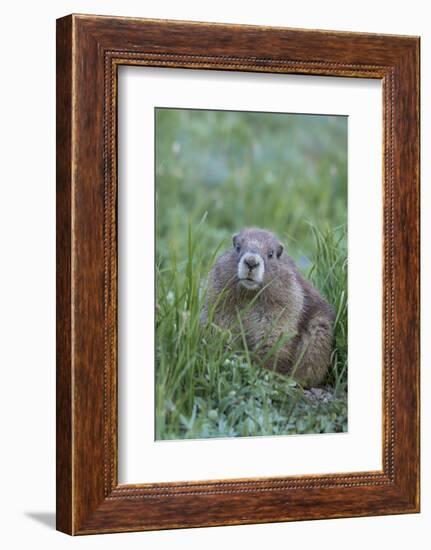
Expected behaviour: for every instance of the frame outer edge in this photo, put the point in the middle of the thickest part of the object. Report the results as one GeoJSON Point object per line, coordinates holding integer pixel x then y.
{"type": "Point", "coordinates": [407, 273]}
{"type": "Point", "coordinates": [64, 368]}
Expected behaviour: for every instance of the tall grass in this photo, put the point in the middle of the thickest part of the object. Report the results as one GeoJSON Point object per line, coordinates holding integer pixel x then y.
{"type": "Point", "coordinates": [329, 275]}
{"type": "Point", "coordinates": [209, 386]}
{"type": "Point", "coordinates": [276, 171]}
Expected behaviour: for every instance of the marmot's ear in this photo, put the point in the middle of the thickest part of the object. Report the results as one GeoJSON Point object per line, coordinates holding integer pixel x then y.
{"type": "Point", "coordinates": [280, 249]}
{"type": "Point", "coordinates": [234, 238]}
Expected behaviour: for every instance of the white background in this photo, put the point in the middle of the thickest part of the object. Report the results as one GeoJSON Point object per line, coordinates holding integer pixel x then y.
{"type": "Point", "coordinates": [141, 458]}
{"type": "Point", "coordinates": [27, 122]}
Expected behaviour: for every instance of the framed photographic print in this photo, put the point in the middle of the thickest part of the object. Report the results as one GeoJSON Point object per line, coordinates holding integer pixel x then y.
{"type": "Point", "coordinates": [237, 274]}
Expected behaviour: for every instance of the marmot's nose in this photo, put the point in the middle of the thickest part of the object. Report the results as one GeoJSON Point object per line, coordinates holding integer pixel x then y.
{"type": "Point", "coordinates": [251, 262]}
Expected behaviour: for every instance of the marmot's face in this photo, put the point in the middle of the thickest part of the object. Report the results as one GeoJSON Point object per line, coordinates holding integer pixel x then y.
{"type": "Point", "coordinates": [258, 253]}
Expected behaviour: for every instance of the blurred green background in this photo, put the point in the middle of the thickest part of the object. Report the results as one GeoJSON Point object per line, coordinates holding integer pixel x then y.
{"type": "Point", "coordinates": [277, 171]}
{"type": "Point", "coordinates": [217, 172]}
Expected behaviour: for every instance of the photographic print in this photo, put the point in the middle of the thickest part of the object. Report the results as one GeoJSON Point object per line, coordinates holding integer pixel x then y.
{"type": "Point", "coordinates": [251, 273]}
{"type": "Point", "coordinates": [203, 254]}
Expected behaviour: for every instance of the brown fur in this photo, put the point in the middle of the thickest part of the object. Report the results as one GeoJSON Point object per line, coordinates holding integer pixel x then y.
{"type": "Point", "coordinates": [286, 306]}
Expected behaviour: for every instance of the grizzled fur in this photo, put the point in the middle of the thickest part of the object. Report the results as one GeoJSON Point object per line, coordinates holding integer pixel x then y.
{"type": "Point", "coordinates": [261, 282]}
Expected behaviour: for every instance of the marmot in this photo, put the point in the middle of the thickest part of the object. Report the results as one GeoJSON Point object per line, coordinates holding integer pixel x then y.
{"type": "Point", "coordinates": [256, 287]}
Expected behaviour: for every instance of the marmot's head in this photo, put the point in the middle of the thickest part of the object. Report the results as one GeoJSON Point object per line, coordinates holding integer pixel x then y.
{"type": "Point", "coordinates": [257, 253]}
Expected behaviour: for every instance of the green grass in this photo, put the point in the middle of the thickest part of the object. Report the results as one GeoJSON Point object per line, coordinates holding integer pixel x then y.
{"type": "Point", "coordinates": [329, 274]}
{"type": "Point", "coordinates": [217, 172]}
{"type": "Point", "coordinates": [207, 386]}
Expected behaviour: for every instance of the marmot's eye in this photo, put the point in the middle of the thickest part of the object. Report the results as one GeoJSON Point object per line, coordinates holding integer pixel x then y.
{"type": "Point", "coordinates": [270, 254]}
{"type": "Point", "coordinates": [237, 248]}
